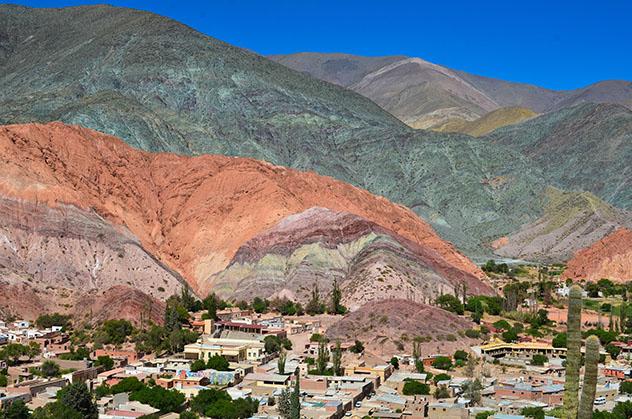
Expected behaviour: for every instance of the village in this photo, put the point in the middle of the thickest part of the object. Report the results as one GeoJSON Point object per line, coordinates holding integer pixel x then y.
{"type": "Point", "coordinates": [241, 362]}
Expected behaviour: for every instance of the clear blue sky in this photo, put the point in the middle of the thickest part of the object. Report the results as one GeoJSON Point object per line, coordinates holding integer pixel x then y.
{"type": "Point", "coordinates": [557, 44]}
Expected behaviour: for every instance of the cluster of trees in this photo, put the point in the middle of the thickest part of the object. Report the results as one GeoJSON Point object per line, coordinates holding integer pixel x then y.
{"type": "Point", "coordinates": [153, 395]}
{"type": "Point", "coordinates": [214, 403]}
{"type": "Point", "coordinates": [216, 362]}
{"type": "Point", "coordinates": [46, 321]}
{"type": "Point", "coordinates": [492, 267]}
{"type": "Point", "coordinates": [12, 352]}
{"type": "Point", "coordinates": [289, 405]}
{"type": "Point", "coordinates": [413, 387]}
{"type": "Point", "coordinates": [73, 402]}
{"type": "Point", "coordinates": [607, 288]}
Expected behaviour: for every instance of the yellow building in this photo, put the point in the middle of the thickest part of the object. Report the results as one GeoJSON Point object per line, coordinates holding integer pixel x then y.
{"type": "Point", "coordinates": [234, 350]}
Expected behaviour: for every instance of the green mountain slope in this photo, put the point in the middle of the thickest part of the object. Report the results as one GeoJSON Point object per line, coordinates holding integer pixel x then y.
{"type": "Point", "coordinates": [587, 147]}
{"type": "Point", "coordinates": [161, 86]}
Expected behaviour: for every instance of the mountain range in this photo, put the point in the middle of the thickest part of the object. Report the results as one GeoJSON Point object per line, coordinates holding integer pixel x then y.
{"type": "Point", "coordinates": [243, 171]}
{"type": "Point", "coordinates": [427, 95]}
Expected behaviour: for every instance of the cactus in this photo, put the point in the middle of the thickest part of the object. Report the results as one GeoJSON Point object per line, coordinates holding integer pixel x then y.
{"type": "Point", "coordinates": [590, 378]}
{"type": "Point", "coordinates": [573, 353]}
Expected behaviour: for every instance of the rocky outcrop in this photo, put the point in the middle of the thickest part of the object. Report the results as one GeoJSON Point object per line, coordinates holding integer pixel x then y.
{"type": "Point", "coordinates": [571, 221]}
{"type": "Point", "coordinates": [610, 257]}
{"type": "Point", "coordinates": [390, 326]}
{"type": "Point", "coordinates": [318, 246]}
{"type": "Point", "coordinates": [489, 122]}
{"type": "Point", "coordinates": [191, 214]}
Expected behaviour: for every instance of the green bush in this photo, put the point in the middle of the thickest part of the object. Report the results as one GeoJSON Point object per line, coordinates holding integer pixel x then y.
{"type": "Point", "coordinates": [415, 387]}
{"type": "Point", "coordinates": [442, 363]}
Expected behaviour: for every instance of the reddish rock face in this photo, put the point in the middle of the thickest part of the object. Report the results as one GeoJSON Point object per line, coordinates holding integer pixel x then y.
{"type": "Point", "coordinates": [192, 214]}
{"type": "Point", "coordinates": [610, 257]}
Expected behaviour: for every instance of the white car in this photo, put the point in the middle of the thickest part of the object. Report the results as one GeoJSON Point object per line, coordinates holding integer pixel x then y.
{"type": "Point", "coordinates": [600, 400]}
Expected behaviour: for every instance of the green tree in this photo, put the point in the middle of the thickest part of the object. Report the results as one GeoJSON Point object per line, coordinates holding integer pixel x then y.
{"type": "Point", "coordinates": [206, 398]}
{"type": "Point", "coordinates": [472, 390]}
{"type": "Point", "coordinates": [460, 354]}
{"type": "Point", "coordinates": [559, 341]}
{"type": "Point", "coordinates": [159, 398]}
{"type": "Point", "coordinates": [613, 350]}
{"type": "Point", "coordinates": [78, 397]}
{"type": "Point", "coordinates": [442, 363]}
{"type": "Point", "coordinates": [413, 387]}
{"type": "Point", "coordinates": [484, 415]}
{"type": "Point", "coordinates": [450, 303]}
{"type": "Point", "coordinates": [295, 400]}
{"type": "Point", "coordinates": [337, 359]}
{"type": "Point", "coordinates": [284, 404]}
{"type": "Point", "coordinates": [322, 358]}
{"type": "Point", "coordinates": [625, 387]}
{"type": "Point", "coordinates": [46, 321]}
{"type": "Point", "coordinates": [4, 380]}
{"type": "Point", "coordinates": [127, 385]}
{"type": "Point", "coordinates": [218, 363]}
{"type": "Point", "coordinates": [198, 365]}
{"type": "Point", "coordinates": [104, 361]}
{"type": "Point", "coordinates": [395, 362]}
{"type": "Point", "coordinates": [441, 377]}
{"type": "Point", "coordinates": [15, 410]}
{"type": "Point", "coordinates": [357, 348]}
{"type": "Point", "coordinates": [281, 362]}
{"type": "Point", "coordinates": [259, 305]}
{"type": "Point", "coordinates": [533, 412]}
{"type": "Point", "coordinates": [56, 410]}
{"type": "Point", "coordinates": [314, 306]}
{"type": "Point", "coordinates": [117, 331]}
{"type": "Point", "coordinates": [336, 299]}
{"type": "Point", "coordinates": [188, 415]}
{"type": "Point", "coordinates": [49, 369]}
{"type": "Point", "coordinates": [539, 359]}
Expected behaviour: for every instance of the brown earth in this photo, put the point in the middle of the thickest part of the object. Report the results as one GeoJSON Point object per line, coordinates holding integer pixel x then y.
{"type": "Point", "coordinates": [390, 326]}
{"type": "Point", "coordinates": [610, 257]}
{"type": "Point", "coordinates": [191, 213]}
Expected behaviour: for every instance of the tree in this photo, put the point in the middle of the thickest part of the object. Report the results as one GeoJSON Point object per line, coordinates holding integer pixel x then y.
{"type": "Point", "coordinates": [281, 362]}
{"type": "Point", "coordinates": [470, 367]}
{"type": "Point", "coordinates": [259, 305]}
{"type": "Point", "coordinates": [187, 299]}
{"type": "Point", "coordinates": [159, 398]}
{"type": "Point", "coordinates": [295, 400]}
{"type": "Point", "coordinates": [314, 306]}
{"type": "Point", "coordinates": [357, 348]}
{"type": "Point", "coordinates": [117, 331]}
{"type": "Point", "coordinates": [4, 380]}
{"type": "Point", "coordinates": [472, 390]}
{"type": "Point", "coordinates": [441, 377]}
{"type": "Point", "coordinates": [539, 359]}
{"type": "Point", "coordinates": [15, 410]}
{"type": "Point", "coordinates": [502, 324]}
{"type": "Point", "coordinates": [419, 366]}
{"type": "Point", "coordinates": [78, 397]}
{"type": "Point", "coordinates": [336, 298]}
{"type": "Point", "coordinates": [337, 359]}
{"type": "Point", "coordinates": [450, 303]}
{"type": "Point", "coordinates": [188, 415]}
{"type": "Point", "coordinates": [533, 412]}
{"type": "Point", "coordinates": [322, 358]}
{"type": "Point", "coordinates": [104, 361]}
{"type": "Point", "coordinates": [127, 385]}
{"type": "Point", "coordinates": [198, 365]}
{"type": "Point", "coordinates": [55, 410]}
{"type": "Point", "coordinates": [460, 354]}
{"type": "Point", "coordinates": [206, 398]}
{"type": "Point", "coordinates": [49, 369]}
{"type": "Point", "coordinates": [46, 321]}
{"type": "Point", "coordinates": [613, 350]}
{"type": "Point", "coordinates": [442, 392]}
{"type": "Point", "coordinates": [284, 404]}
{"type": "Point", "coordinates": [510, 335]}
{"type": "Point", "coordinates": [218, 363]}
{"type": "Point", "coordinates": [559, 341]}
{"type": "Point", "coordinates": [395, 362]}
{"type": "Point", "coordinates": [625, 387]}
{"type": "Point", "coordinates": [442, 363]}
{"type": "Point", "coordinates": [412, 387]}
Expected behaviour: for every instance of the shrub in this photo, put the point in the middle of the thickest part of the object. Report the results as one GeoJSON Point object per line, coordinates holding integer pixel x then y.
{"type": "Point", "coordinates": [415, 387]}
{"type": "Point", "coordinates": [539, 359]}
{"type": "Point", "coordinates": [473, 333]}
{"type": "Point", "coordinates": [442, 363]}
{"type": "Point", "coordinates": [441, 377]}
{"type": "Point", "coordinates": [460, 354]}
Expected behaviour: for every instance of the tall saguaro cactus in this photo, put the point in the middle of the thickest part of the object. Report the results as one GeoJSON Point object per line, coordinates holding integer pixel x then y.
{"type": "Point", "coordinates": [590, 378]}
{"type": "Point", "coordinates": [573, 353]}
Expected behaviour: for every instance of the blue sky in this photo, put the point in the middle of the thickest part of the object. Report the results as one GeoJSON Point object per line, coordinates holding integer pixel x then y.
{"type": "Point", "coordinates": [556, 44]}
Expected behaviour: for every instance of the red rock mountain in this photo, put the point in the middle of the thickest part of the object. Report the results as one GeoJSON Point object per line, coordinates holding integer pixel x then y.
{"type": "Point", "coordinates": [191, 215]}
{"type": "Point", "coordinates": [610, 257]}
